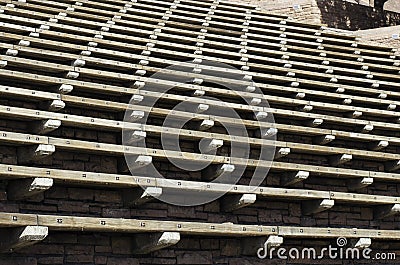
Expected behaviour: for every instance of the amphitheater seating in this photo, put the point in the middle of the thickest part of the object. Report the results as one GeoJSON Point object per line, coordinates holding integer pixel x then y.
{"type": "Point", "coordinates": [57, 57]}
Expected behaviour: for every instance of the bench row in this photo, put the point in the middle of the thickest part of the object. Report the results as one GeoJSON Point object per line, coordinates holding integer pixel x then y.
{"type": "Point", "coordinates": [300, 82]}
{"type": "Point", "coordinates": [340, 75]}
{"type": "Point", "coordinates": [243, 85]}
{"type": "Point", "coordinates": [22, 185]}
{"type": "Point", "coordinates": [112, 125]}
{"type": "Point", "coordinates": [311, 121]}
{"type": "Point", "coordinates": [151, 32]}
{"type": "Point", "coordinates": [217, 71]}
{"type": "Point", "coordinates": [312, 40]}
{"type": "Point", "coordinates": [307, 129]}
{"type": "Point", "coordinates": [157, 5]}
{"type": "Point", "coordinates": [382, 94]}
{"type": "Point", "coordinates": [142, 157]}
{"type": "Point", "coordinates": [28, 229]}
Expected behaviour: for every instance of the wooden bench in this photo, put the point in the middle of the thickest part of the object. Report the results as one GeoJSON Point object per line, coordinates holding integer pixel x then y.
{"type": "Point", "coordinates": [314, 83]}
{"type": "Point", "coordinates": [153, 242]}
{"type": "Point", "coordinates": [90, 123]}
{"type": "Point", "coordinates": [21, 174]}
{"type": "Point", "coordinates": [279, 25]}
{"type": "Point", "coordinates": [52, 67]}
{"type": "Point", "coordinates": [119, 150]}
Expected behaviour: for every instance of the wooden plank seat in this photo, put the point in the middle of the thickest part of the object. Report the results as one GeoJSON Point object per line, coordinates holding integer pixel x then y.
{"type": "Point", "coordinates": [311, 82]}
{"type": "Point", "coordinates": [270, 98]}
{"type": "Point", "coordinates": [343, 86]}
{"type": "Point", "coordinates": [33, 40]}
{"type": "Point", "coordinates": [122, 107]}
{"type": "Point", "coordinates": [92, 179]}
{"type": "Point", "coordinates": [255, 22]}
{"type": "Point", "coordinates": [52, 67]}
{"type": "Point", "coordinates": [258, 26]}
{"type": "Point", "coordinates": [110, 106]}
{"type": "Point", "coordinates": [119, 150]}
{"type": "Point", "coordinates": [104, 124]}
{"type": "Point", "coordinates": [224, 18]}
{"type": "Point", "coordinates": [338, 35]}
{"type": "Point", "coordinates": [113, 225]}
{"type": "Point", "coordinates": [352, 79]}
{"type": "Point", "coordinates": [130, 29]}
{"type": "Point", "coordinates": [281, 68]}
{"type": "Point", "coordinates": [113, 106]}
{"type": "Point", "coordinates": [195, 5]}
{"type": "Point", "coordinates": [69, 57]}
{"type": "Point", "coordinates": [180, 30]}
{"type": "Point", "coordinates": [231, 9]}
{"type": "Point", "coordinates": [60, 55]}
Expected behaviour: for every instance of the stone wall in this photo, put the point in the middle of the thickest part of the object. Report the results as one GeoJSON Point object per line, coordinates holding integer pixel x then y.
{"type": "Point", "coordinates": [348, 15]}
{"type": "Point", "coordinates": [352, 16]}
